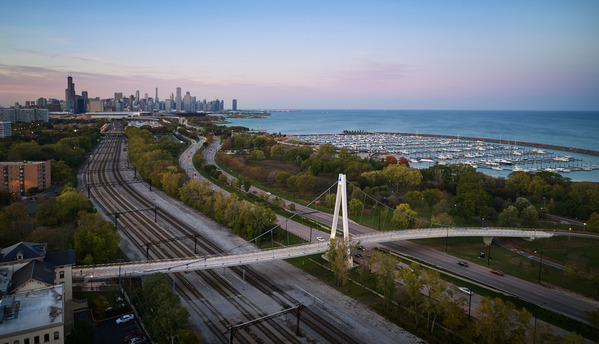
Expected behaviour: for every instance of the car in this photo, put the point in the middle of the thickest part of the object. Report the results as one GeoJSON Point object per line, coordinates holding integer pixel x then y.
{"type": "Point", "coordinates": [465, 290]}
{"type": "Point", "coordinates": [137, 340]}
{"type": "Point", "coordinates": [130, 336]}
{"type": "Point", "coordinates": [125, 318]}
{"type": "Point", "coordinates": [357, 255]}
{"type": "Point", "coordinates": [361, 248]}
{"type": "Point", "coordinates": [463, 263]}
{"type": "Point", "coordinates": [320, 238]}
{"type": "Point", "coordinates": [497, 272]}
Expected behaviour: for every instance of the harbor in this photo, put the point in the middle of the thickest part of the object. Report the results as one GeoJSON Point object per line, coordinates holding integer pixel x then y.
{"type": "Point", "coordinates": [490, 156]}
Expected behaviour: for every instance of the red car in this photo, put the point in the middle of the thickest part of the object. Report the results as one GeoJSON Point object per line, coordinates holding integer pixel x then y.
{"type": "Point", "coordinates": [128, 337]}
{"type": "Point", "coordinates": [497, 272]}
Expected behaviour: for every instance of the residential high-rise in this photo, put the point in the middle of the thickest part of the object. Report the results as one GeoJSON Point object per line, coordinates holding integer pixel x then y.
{"type": "Point", "coordinates": [178, 103]}
{"type": "Point", "coordinates": [156, 96]}
{"type": "Point", "coordinates": [21, 176]}
{"type": "Point", "coordinates": [234, 104]}
{"type": "Point", "coordinates": [118, 96]}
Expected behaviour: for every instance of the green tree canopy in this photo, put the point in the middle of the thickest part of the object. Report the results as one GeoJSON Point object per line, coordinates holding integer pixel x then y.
{"type": "Point", "coordinates": [404, 217]}
{"type": "Point", "coordinates": [96, 240]}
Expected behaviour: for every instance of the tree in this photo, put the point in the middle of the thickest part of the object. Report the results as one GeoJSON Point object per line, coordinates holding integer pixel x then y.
{"type": "Point", "coordinates": [326, 150]}
{"type": "Point", "coordinates": [443, 219]}
{"type": "Point", "coordinates": [403, 161]}
{"type": "Point", "coordinates": [162, 310]}
{"type": "Point", "coordinates": [62, 173]}
{"type": "Point", "coordinates": [530, 216]}
{"type": "Point", "coordinates": [509, 217]}
{"type": "Point", "coordinates": [383, 266]}
{"type": "Point", "coordinates": [471, 200]}
{"type": "Point", "coordinates": [355, 207]}
{"type": "Point", "coordinates": [437, 295]}
{"type": "Point", "coordinates": [521, 203]}
{"type": "Point", "coordinates": [402, 175]}
{"type": "Point", "coordinates": [593, 223]}
{"type": "Point", "coordinates": [281, 179]}
{"type": "Point", "coordinates": [276, 152]}
{"type": "Point", "coordinates": [96, 241]}
{"type": "Point", "coordinates": [404, 217]}
{"type": "Point", "coordinates": [338, 255]}
{"type": "Point", "coordinates": [305, 183]}
{"type": "Point", "coordinates": [410, 277]}
{"type": "Point", "coordinates": [257, 155]}
{"type": "Point", "coordinates": [70, 202]}
{"type": "Point", "coordinates": [390, 160]}
{"type": "Point", "coordinates": [499, 322]}
{"type": "Point", "coordinates": [15, 223]}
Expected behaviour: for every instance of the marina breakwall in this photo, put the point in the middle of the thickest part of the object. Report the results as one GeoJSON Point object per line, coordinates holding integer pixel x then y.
{"type": "Point", "coordinates": [518, 143]}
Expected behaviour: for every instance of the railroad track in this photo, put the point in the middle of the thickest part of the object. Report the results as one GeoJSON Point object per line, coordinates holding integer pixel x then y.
{"type": "Point", "coordinates": [140, 229]}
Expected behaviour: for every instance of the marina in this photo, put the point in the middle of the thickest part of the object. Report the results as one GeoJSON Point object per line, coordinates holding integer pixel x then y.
{"type": "Point", "coordinates": [423, 151]}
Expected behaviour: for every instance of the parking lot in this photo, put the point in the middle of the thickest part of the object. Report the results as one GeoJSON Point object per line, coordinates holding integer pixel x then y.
{"type": "Point", "coordinates": [107, 331]}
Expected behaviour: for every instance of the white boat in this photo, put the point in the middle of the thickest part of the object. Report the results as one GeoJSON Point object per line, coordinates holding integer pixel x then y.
{"type": "Point", "coordinates": [496, 168]}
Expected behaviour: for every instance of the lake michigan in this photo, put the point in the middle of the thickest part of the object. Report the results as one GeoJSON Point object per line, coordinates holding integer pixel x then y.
{"type": "Point", "coordinates": [563, 128]}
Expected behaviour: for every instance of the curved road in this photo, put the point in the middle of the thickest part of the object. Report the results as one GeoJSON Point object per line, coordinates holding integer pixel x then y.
{"type": "Point", "coordinates": [562, 302]}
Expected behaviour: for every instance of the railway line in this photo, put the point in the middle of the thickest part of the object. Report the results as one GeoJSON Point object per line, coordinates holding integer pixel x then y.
{"type": "Point", "coordinates": [206, 293]}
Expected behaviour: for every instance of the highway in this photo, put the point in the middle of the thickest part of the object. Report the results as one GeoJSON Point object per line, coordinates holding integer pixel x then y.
{"type": "Point", "coordinates": [559, 301]}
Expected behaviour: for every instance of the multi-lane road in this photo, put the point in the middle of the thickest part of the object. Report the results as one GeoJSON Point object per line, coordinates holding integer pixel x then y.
{"type": "Point", "coordinates": [566, 303]}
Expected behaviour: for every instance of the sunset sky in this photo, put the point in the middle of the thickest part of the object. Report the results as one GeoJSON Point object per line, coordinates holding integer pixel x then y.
{"type": "Point", "coordinates": [523, 55]}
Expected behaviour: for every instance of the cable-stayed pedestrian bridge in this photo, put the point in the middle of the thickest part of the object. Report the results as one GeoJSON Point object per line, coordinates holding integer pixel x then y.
{"type": "Point", "coordinates": [136, 269]}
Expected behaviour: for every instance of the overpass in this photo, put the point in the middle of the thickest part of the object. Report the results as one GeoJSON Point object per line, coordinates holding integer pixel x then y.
{"type": "Point", "coordinates": [135, 269]}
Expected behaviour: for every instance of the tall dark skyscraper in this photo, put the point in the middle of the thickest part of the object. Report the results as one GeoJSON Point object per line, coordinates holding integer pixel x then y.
{"type": "Point", "coordinates": [156, 96]}
{"type": "Point", "coordinates": [234, 104]}
{"type": "Point", "coordinates": [69, 95]}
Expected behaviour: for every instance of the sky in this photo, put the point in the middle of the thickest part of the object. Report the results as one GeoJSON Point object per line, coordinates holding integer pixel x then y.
{"type": "Point", "coordinates": [376, 54]}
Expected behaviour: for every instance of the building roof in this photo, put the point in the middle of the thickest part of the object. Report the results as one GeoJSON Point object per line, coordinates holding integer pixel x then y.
{"type": "Point", "coordinates": [27, 250]}
{"type": "Point", "coordinates": [37, 309]}
{"type": "Point", "coordinates": [61, 258]}
{"type": "Point", "coordinates": [34, 270]}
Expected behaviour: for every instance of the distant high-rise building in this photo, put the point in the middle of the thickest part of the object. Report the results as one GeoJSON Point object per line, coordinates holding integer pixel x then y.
{"type": "Point", "coordinates": [221, 106]}
{"type": "Point", "coordinates": [118, 96]}
{"type": "Point", "coordinates": [178, 103]}
{"type": "Point", "coordinates": [5, 129]}
{"type": "Point", "coordinates": [42, 103]}
{"type": "Point", "coordinates": [69, 96]}
{"type": "Point", "coordinates": [96, 105]}
{"type": "Point", "coordinates": [156, 96]}
{"type": "Point", "coordinates": [137, 96]}
{"type": "Point", "coordinates": [234, 104]}
{"type": "Point", "coordinates": [187, 102]}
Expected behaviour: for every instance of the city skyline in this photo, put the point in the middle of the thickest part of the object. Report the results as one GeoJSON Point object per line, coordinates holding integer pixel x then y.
{"type": "Point", "coordinates": [537, 55]}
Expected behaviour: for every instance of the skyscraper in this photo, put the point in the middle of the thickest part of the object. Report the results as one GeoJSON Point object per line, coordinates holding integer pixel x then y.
{"type": "Point", "coordinates": [156, 96]}
{"type": "Point", "coordinates": [178, 102]}
{"type": "Point", "coordinates": [69, 95]}
{"type": "Point", "coordinates": [234, 104]}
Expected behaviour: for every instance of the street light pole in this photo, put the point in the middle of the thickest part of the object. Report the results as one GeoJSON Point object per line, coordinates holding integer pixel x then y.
{"type": "Point", "coordinates": [469, 304]}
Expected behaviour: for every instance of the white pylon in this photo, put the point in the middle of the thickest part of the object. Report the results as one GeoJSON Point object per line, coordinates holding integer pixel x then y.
{"type": "Point", "coordinates": [341, 200]}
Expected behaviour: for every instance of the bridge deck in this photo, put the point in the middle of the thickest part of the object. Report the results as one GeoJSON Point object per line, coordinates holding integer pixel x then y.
{"type": "Point", "coordinates": [135, 269]}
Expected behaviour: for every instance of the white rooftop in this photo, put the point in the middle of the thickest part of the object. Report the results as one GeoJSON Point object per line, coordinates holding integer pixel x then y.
{"type": "Point", "coordinates": [37, 308]}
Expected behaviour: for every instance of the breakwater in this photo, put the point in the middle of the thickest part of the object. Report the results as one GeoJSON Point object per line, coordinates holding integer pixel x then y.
{"type": "Point", "coordinates": [517, 143]}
